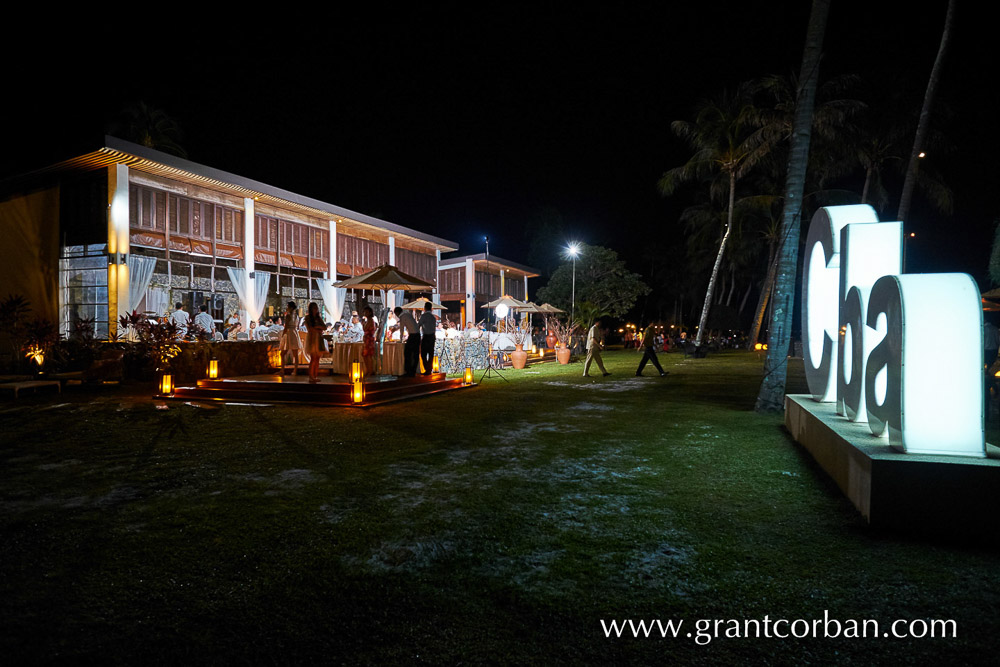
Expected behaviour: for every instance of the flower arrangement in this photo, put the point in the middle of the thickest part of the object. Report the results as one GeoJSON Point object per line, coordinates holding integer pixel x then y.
{"type": "Point", "coordinates": [563, 331]}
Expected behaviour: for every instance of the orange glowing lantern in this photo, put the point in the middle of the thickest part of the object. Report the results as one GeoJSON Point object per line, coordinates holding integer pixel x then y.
{"type": "Point", "coordinates": [213, 369]}
{"type": "Point", "coordinates": [274, 356]}
{"type": "Point", "coordinates": [356, 372]}
{"type": "Point", "coordinates": [534, 349]}
{"type": "Point", "coordinates": [435, 366]}
{"type": "Point", "coordinates": [167, 384]}
{"type": "Point", "coordinates": [358, 392]}
{"type": "Point", "coordinates": [468, 379]}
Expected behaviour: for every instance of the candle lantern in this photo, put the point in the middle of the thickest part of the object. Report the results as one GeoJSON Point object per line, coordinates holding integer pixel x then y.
{"type": "Point", "coordinates": [213, 369]}
{"type": "Point", "coordinates": [468, 375]}
{"type": "Point", "coordinates": [356, 373]}
{"type": "Point", "coordinates": [358, 392]}
{"type": "Point", "coordinates": [167, 384]}
{"type": "Point", "coordinates": [436, 366]}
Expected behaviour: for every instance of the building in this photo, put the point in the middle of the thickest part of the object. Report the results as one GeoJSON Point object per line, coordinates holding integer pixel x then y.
{"type": "Point", "coordinates": [124, 227]}
{"type": "Point", "coordinates": [477, 280]}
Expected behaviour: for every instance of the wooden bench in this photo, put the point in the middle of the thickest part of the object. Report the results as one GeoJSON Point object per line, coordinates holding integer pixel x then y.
{"type": "Point", "coordinates": [31, 384]}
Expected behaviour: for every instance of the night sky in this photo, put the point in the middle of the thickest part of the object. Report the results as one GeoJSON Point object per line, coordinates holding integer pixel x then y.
{"type": "Point", "coordinates": [471, 123]}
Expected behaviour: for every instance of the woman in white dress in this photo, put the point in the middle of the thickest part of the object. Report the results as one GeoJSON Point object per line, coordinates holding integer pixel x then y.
{"type": "Point", "coordinates": [290, 343]}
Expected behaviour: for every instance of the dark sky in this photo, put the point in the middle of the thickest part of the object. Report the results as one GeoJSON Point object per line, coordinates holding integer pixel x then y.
{"type": "Point", "coordinates": [467, 123]}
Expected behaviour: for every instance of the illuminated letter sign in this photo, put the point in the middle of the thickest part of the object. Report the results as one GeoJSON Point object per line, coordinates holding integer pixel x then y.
{"type": "Point", "coordinates": [931, 400]}
{"type": "Point", "coordinates": [868, 251]}
{"type": "Point", "coordinates": [908, 352]}
{"type": "Point", "coordinates": [820, 303]}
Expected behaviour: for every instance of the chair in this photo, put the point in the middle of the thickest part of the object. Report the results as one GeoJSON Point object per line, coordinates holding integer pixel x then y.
{"type": "Point", "coordinates": [243, 335]}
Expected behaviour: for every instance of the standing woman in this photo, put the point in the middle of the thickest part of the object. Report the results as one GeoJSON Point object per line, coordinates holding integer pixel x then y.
{"type": "Point", "coordinates": [315, 326]}
{"type": "Point", "coordinates": [290, 343]}
{"type": "Point", "coordinates": [368, 351]}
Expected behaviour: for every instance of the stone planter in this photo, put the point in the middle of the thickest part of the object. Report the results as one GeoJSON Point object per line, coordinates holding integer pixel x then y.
{"type": "Point", "coordinates": [519, 357]}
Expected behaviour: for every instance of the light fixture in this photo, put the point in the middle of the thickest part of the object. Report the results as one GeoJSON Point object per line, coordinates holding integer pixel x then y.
{"type": "Point", "coordinates": [356, 373]}
{"type": "Point", "coordinates": [502, 310]}
{"type": "Point", "coordinates": [358, 392]}
{"type": "Point", "coordinates": [922, 154]}
{"type": "Point", "coordinates": [213, 369]}
{"type": "Point", "coordinates": [468, 375]}
{"type": "Point", "coordinates": [436, 366]}
{"type": "Point", "coordinates": [167, 384]}
{"type": "Point", "coordinates": [274, 355]}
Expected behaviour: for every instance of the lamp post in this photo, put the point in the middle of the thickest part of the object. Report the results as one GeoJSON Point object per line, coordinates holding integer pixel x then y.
{"type": "Point", "coordinates": [573, 249]}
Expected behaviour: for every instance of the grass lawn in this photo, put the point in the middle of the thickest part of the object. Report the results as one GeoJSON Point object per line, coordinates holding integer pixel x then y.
{"type": "Point", "coordinates": [495, 525]}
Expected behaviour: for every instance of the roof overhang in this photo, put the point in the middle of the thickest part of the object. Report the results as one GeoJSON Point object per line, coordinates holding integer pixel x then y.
{"type": "Point", "coordinates": [119, 151]}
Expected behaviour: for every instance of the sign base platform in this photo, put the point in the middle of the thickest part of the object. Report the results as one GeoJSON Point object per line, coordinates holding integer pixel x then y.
{"type": "Point", "coordinates": [951, 496]}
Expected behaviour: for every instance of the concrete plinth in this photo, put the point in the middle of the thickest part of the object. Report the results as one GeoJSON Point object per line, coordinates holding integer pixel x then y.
{"type": "Point", "coordinates": [956, 496]}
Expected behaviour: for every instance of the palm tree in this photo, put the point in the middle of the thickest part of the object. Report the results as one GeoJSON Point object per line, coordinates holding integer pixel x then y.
{"type": "Point", "coordinates": [772, 388]}
{"type": "Point", "coordinates": [726, 147]}
{"type": "Point", "coordinates": [925, 115]}
{"type": "Point", "coordinates": [149, 126]}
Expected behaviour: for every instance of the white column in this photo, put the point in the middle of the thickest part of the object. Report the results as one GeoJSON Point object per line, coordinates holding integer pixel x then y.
{"type": "Point", "coordinates": [333, 251]}
{"type": "Point", "coordinates": [437, 274]}
{"type": "Point", "coordinates": [118, 245]}
{"type": "Point", "coordinates": [249, 242]}
{"type": "Point", "coordinates": [470, 292]}
{"type": "Point", "coordinates": [526, 289]}
{"type": "Point", "coordinates": [502, 290]}
{"type": "Point", "coordinates": [390, 296]}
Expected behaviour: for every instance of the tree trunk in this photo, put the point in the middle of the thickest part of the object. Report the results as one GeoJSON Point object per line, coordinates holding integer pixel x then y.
{"type": "Point", "coordinates": [765, 295]}
{"type": "Point", "coordinates": [746, 295]}
{"type": "Point", "coordinates": [925, 117]}
{"type": "Point", "coordinates": [868, 183]}
{"type": "Point", "coordinates": [771, 397]}
{"type": "Point", "coordinates": [718, 260]}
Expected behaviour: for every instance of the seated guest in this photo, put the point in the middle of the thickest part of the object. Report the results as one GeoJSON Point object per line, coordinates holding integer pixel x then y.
{"type": "Point", "coordinates": [355, 332]}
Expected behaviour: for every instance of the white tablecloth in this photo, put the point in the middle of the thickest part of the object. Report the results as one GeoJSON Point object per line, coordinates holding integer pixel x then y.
{"type": "Point", "coordinates": [344, 354]}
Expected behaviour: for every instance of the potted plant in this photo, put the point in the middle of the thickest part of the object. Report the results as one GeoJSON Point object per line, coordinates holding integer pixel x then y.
{"type": "Point", "coordinates": [563, 332]}
{"type": "Point", "coordinates": [519, 335]}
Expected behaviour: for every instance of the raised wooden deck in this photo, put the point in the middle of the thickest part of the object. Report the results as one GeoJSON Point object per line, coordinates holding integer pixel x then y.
{"type": "Point", "coordinates": [332, 391]}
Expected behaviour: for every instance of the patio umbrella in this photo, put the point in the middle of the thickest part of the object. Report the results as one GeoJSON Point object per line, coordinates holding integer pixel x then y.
{"type": "Point", "coordinates": [549, 308]}
{"type": "Point", "coordinates": [384, 278]}
{"type": "Point", "coordinates": [418, 304]}
{"type": "Point", "coordinates": [508, 301]}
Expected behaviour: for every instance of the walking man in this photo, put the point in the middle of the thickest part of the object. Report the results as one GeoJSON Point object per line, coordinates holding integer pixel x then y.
{"type": "Point", "coordinates": [411, 349]}
{"type": "Point", "coordinates": [649, 343]}
{"type": "Point", "coordinates": [428, 336]}
{"type": "Point", "coordinates": [595, 341]}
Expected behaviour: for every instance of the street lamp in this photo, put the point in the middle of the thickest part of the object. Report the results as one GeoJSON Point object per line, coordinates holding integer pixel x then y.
{"type": "Point", "coordinates": [573, 249]}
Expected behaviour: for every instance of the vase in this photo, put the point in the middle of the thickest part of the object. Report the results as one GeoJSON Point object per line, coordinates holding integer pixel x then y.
{"type": "Point", "coordinates": [519, 357]}
{"type": "Point", "coordinates": [562, 354]}
{"type": "Point", "coordinates": [550, 340]}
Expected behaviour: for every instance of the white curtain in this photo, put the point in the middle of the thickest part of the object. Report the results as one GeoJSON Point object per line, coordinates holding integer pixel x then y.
{"type": "Point", "coordinates": [157, 300]}
{"type": "Point", "coordinates": [262, 283]}
{"type": "Point", "coordinates": [140, 272]}
{"type": "Point", "coordinates": [252, 293]}
{"type": "Point", "coordinates": [333, 298]}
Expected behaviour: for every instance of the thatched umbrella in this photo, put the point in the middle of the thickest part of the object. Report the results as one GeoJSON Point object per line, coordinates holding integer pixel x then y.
{"type": "Point", "coordinates": [384, 278]}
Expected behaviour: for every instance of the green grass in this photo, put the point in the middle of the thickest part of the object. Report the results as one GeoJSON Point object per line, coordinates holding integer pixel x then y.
{"type": "Point", "coordinates": [498, 524]}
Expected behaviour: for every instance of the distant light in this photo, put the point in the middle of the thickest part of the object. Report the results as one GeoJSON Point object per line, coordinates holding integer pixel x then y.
{"type": "Point", "coordinates": [912, 235]}
{"type": "Point", "coordinates": [573, 249]}
{"type": "Point", "coordinates": [922, 154]}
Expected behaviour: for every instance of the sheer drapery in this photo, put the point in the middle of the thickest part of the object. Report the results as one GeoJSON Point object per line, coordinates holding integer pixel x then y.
{"type": "Point", "coordinates": [252, 293]}
{"type": "Point", "coordinates": [333, 298]}
{"type": "Point", "coordinates": [157, 300]}
{"type": "Point", "coordinates": [140, 272]}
